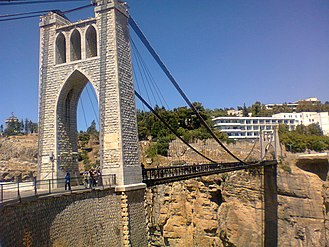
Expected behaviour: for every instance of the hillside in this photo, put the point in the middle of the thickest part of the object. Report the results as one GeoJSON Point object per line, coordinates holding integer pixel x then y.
{"type": "Point", "coordinates": [18, 156]}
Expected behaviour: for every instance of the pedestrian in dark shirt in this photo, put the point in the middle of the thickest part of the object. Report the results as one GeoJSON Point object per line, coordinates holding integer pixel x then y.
{"type": "Point", "coordinates": [68, 181]}
{"type": "Point", "coordinates": [91, 178]}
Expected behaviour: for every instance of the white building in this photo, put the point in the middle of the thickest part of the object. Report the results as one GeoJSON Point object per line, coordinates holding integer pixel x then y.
{"type": "Point", "coordinates": [250, 127]}
{"type": "Point", "coordinates": [233, 112]}
{"type": "Point", "coordinates": [307, 118]}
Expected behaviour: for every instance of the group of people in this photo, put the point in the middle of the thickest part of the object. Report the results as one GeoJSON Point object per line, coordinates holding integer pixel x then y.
{"type": "Point", "coordinates": [92, 178]}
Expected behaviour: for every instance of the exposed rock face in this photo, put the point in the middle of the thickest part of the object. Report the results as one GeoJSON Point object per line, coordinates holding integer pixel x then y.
{"type": "Point", "coordinates": [18, 156]}
{"type": "Point", "coordinates": [228, 209]}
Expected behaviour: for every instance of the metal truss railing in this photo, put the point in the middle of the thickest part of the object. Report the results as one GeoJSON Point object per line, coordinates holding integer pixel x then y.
{"type": "Point", "coordinates": [161, 175]}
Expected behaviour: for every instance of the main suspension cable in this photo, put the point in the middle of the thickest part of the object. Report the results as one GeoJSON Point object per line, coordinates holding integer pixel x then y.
{"type": "Point", "coordinates": [171, 78]}
{"type": "Point", "coordinates": [19, 16]}
{"type": "Point", "coordinates": [20, 2]}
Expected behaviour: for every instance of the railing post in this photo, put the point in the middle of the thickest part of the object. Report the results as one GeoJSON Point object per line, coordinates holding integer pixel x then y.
{"type": "Point", "coordinates": [35, 185]}
{"type": "Point", "coordinates": [1, 195]}
{"type": "Point", "coordinates": [18, 192]}
{"type": "Point", "coordinates": [49, 186]}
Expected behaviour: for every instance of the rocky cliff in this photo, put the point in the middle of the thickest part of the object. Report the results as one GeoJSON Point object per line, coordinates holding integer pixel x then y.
{"type": "Point", "coordinates": [18, 157]}
{"type": "Point", "coordinates": [234, 209]}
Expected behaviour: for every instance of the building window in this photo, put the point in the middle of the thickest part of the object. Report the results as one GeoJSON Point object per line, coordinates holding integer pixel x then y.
{"type": "Point", "coordinates": [75, 45]}
{"type": "Point", "coordinates": [91, 42]}
{"type": "Point", "coordinates": [60, 49]}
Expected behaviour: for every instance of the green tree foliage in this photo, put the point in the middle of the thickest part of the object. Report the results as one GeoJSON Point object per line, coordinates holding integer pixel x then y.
{"type": "Point", "coordinates": [308, 106]}
{"type": "Point", "coordinates": [303, 138]}
{"type": "Point", "coordinates": [281, 108]}
{"type": "Point", "coordinates": [259, 110]}
{"type": "Point", "coordinates": [218, 112]}
{"type": "Point", "coordinates": [83, 138]}
{"type": "Point", "coordinates": [182, 119]}
{"type": "Point", "coordinates": [16, 127]}
{"type": "Point", "coordinates": [245, 112]}
{"type": "Point", "coordinates": [92, 130]}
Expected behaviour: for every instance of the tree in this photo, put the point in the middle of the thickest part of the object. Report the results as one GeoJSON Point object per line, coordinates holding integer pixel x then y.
{"type": "Point", "coordinates": [245, 112]}
{"type": "Point", "coordinates": [92, 128]}
{"type": "Point", "coordinates": [22, 126]}
{"type": "Point", "coordinates": [26, 126]}
{"type": "Point", "coordinates": [314, 129]}
{"type": "Point", "coordinates": [304, 137]}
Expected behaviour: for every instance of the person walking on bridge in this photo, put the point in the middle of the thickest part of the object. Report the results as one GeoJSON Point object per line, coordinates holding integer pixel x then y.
{"type": "Point", "coordinates": [68, 181]}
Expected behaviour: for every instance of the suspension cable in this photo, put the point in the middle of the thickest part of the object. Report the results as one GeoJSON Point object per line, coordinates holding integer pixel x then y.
{"type": "Point", "coordinates": [92, 105]}
{"type": "Point", "coordinates": [252, 149]}
{"type": "Point", "coordinates": [168, 126]}
{"type": "Point", "coordinates": [138, 88]}
{"type": "Point", "coordinates": [144, 72]}
{"type": "Point", "coordinates": [141, 75]}
{"type": "Point", "coordinates": [171, 78]}
{"type": "Point", "coordinates": [149, 76]}
{"type": "Point", "coordinates": [20, 2]}
{"type": "Point", "coordinates": [26, 14]}
{"type": "Point", "coordinates": [84, 114]}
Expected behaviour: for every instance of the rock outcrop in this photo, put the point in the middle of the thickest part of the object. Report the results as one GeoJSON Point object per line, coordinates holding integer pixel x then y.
{"type": "Point", "coordinates": [18, 157]}
{"type": "Point", "coordinates": [233, 209]}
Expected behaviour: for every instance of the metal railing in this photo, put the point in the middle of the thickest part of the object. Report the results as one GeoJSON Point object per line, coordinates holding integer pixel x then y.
{"type": "Point", "coordinates": [160, 175]}
{"type": "Point", "coordinates": [15, 191]}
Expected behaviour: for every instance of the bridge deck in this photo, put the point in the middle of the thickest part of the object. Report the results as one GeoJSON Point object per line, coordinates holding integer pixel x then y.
{"type": "Point", "coordinates": [162, 175]}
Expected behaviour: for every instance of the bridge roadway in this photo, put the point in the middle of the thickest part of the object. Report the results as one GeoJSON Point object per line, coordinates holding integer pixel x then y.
{"type": "Point", "coordinates": [163, 175]}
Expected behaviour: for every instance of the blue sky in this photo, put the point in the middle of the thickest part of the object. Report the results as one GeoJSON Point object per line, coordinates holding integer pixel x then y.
{"type": "Point", "coordinates": [223, 53]}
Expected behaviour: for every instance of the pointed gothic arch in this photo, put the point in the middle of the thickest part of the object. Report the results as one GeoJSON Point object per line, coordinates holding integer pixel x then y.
{"type": "Point", "coordinates": [91, 42]}
{"type": "Point", "coordinates": [60, 49]}
{"type": "Point", "coordinates": [75, 45]}
{"type": "Point", "coordinates": [66, 121]}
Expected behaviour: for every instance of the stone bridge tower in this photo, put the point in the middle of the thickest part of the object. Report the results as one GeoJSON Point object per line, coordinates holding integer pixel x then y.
{"type": "Point", "coordinates": [96, 50]}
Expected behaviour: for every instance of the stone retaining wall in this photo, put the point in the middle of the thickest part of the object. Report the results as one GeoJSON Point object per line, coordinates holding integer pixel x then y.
{"type": "Point", "coordinates": [79, 219]}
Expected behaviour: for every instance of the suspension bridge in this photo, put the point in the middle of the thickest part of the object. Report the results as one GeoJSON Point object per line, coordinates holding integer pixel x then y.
{"type": "Point", "coordinates": [153, 176]}
{"type": "Point", "coordinates": [98, 51]}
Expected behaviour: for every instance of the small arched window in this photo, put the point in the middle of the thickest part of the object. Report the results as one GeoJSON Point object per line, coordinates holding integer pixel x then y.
{"type": "Point", "coordinates": [75, 45]}
{"type": "Point", "coordinates": [60, 49]}
{"type": "Point", "coordinates": [91, 42]}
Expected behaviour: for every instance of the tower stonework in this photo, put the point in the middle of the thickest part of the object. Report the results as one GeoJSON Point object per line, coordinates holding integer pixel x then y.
{"type": "Point", "coordinates": [95, 50]}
